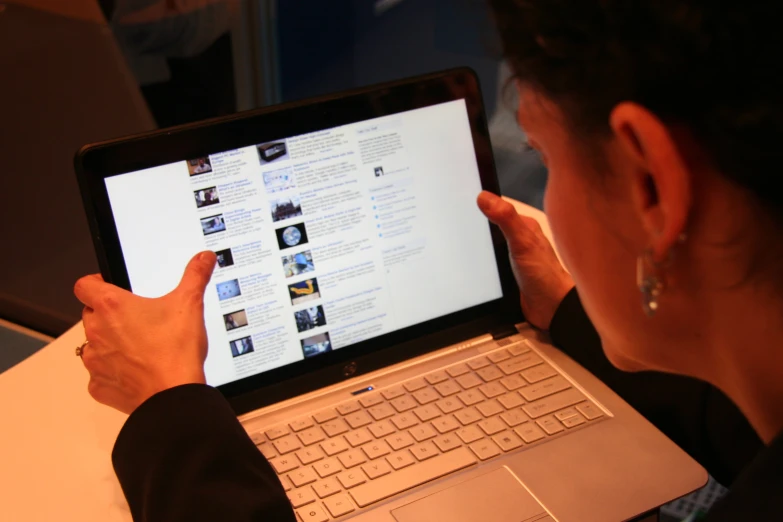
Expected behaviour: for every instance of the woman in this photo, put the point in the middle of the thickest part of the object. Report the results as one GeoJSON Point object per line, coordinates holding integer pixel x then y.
{"type": "Point", "coordinates": [659, 122]}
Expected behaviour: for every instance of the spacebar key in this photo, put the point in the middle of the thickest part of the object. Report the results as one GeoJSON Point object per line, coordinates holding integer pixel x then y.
{"type": "Point", "coordinates": [411, 476]}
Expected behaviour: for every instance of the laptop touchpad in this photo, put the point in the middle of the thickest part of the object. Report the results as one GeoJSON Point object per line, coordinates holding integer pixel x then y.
{"type": "Point", "coordinates": [497, 496]}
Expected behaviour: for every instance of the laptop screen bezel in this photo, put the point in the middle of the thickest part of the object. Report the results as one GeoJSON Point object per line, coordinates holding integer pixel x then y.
{"type": "Point", "coordinates": [94, 163]}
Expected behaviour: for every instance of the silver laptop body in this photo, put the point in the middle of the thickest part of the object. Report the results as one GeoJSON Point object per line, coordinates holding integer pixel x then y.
{"type": "Point", "coordinates": [363, 320]}
{"type": "Point", "coordinates": [574, 452]}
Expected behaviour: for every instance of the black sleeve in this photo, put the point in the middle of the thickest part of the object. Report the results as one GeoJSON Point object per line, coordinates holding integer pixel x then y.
{"type": "Point", "coordinates": [695, 415]}
{"type": "Point", "coordinates": [183, 455]}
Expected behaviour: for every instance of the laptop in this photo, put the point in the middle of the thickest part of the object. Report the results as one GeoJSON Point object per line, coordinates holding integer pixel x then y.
{"type": "Point", "coordinates": [363, 319]}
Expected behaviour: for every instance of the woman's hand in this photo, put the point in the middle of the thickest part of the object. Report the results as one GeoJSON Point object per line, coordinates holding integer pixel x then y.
{"type": "Point", "coordinates": [139, 346]}
{"type": "Point", "coordinates": [543, 283]}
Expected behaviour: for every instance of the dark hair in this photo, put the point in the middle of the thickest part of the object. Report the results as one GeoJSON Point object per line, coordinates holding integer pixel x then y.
{"type": "Point", "coordinates": [715, 67]}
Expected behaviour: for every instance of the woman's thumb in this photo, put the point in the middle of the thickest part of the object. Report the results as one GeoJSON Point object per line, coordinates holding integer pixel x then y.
{"type": "Point", "coordinates": [197, 274]}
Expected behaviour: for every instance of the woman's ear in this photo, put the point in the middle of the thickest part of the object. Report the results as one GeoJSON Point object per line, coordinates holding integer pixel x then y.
{"type": "Point", "coordinates": [661, 181]}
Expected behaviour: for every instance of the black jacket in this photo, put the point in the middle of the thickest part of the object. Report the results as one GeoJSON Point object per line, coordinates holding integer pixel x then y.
{"type": "Point", "coordinates": [182, 455]}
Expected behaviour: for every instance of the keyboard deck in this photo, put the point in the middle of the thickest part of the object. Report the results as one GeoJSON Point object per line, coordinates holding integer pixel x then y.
{"type": "Point", "coordinates": [386, 441]}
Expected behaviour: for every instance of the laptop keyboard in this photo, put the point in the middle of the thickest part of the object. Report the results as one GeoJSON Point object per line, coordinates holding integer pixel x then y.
{"type": "Point", "coordinates": [386, 441]}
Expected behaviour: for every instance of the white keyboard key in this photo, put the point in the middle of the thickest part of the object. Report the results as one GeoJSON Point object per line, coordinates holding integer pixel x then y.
{"type": "Point", "coordinates": [404, 403]}
{"type": "Point", "coordinates": [491, 426]}
{"type": "Point", "coordinates": [468, 416]}
{"type": "Point", "coordinates": [351, 458]}
{"type": "Point", "coordinates": [529, 432]}
{"type": "Point", "coordinates": [513, 382]}
{"type": "Point", "coordinates": [312, 513]}
{"type": "Point", "coordinates": [469, 380]}
{"type": "Point", "coordinates": [424, 451]}
{"type": "Point", "coordinates": [458, 369]}
{"type": "Point", "coordinates": [448, 388]}
{"type": "Point", "coordinates": [564, 414]}
{"type": "Point", "coordinates": [471, 397]}
{"type": "Point", "coordinates": [376, 449]}
{"type": "Point", "coordinates": [334, 446]}
{"type": "Point", "coordinates": [544, 388]}
{"type": "Point", "coordinates": [519, 363]}
{"type": "Point", "coordinates": [499, 355]}
{"type": "Point", "coordinates": [410, 477]}
{"type": "Point", "coordinates": [268, 450]}
{"type": "Point", "coordinates": [258, 438]}
{"type": "Point", "coordinates": [553, 403]}
{"type": "Point", "coordinates": [286, 482]}
{"type": "Point", "coordinates": [302, 477]}
{"type": "Point", "coordinates": [358, 437]}
{"type": "Point", "coordinates": [446, 424]}
{"type": "Point", "coordinates": [415, 384]}
{"type": "Point", "coordinates": [514, 417]}
{"type": "Point", "coordinates": [327, 467]}
{"type": "Point", "coordinates": [426, 395]}
{"type": "Point", "coordinates": [492, 389]}
{"type": "Point", "coordinates": [311, 435]}
{"type": "Point", "coordinates": [519, 348]}
{"type": "Point", "coordinates": [309, 455]}
{"type": "Point", "coordinates": [589, 410]}
{"type": "Point", "coordinates": [538, 373]}
{"type": "Point", "coordinates": [335, 427]}
{"type": "Point", "coordinates": [401, 459]}
{"type": "Point", "coordinates": [478, 363]}
{"type": "Point", "coordinates": [325, 415]}
{"type": "Point", "coordinates": [283, 464]}
{"type": "Point", "coordinates": [371, 400]}
{"type": "Point", "coordinates": [507, 440]}
{"type": "Point", "coordinates": [574, 421]}
{"type": "Point", "coordinates": [550, 425]}
{"type": "Point", "coordinates": [358, 419]}
{"type": "Point", "coordinates": [339, 505]}
{"type": "Point", "coordinates": [489, 408]}
{"type": "Point", "coordinates": [381, 411]}
{"type": "Point", "coordinates": [426, 413]}
{"type": "Point", "coordinates": [436, 377]}
{"type": "Point", "coordinates": [449, 405]}
{"type": "Point", "coordinates": [393, 392]}
{"type": "Point", "coordinates": [469, 434]}
{"type": "Point", "coordinates": [381, 429]}
{"type": "Point", "coordinates": [376, 468]}
{"type": "Point", "coordinates": [490, 373]}
{"type": "Point", "coordinates": [405, 420]}
{"type": "Point", "coordinates": [301, 497]}
{"type": "Point", "coordinates": [301, 424]}
{"type": "Point", "coordinates": [447, 442]}
{"type": "Point", "coordinates": [277, 432]}
{"type": "Point", "coordinates": [348, 407]}
{"type": "Point", "coordinates": [422, 432]}
{"type": "Point", "coordinates": [287, 444]}
{"type": "Point", "coordinates": [485, 449]}
{"type": "Point", "coordinates": [511, 400]}
{"type": "Point", "coordinates": [352, 478]}
{"type": "Point", "coordinates": [400, 440]}
{"type": "Point", "coordinates": [327, 487]}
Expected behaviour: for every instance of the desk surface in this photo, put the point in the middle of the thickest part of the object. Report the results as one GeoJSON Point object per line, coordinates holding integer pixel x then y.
{"type": "Point", "coordinates": [56, 442]}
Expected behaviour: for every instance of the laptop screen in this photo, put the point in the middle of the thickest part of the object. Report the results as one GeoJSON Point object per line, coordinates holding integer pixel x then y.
{"type": "Point", "coordinates": [323, 239]}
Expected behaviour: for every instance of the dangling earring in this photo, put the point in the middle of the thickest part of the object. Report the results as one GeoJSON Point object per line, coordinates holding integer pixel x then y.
{"type": "Point", "coordinates": [650, 278]}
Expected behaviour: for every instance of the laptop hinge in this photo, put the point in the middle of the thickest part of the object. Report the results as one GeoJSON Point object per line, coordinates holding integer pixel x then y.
{"type": "Point", "coordinates": [503, 332]}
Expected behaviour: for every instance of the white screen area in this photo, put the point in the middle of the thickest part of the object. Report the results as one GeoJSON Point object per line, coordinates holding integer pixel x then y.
{"type": "Point", "coordinates": [323, 239]}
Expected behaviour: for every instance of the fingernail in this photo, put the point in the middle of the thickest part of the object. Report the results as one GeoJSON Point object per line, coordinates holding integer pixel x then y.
{"type": "Point", "coordinates": [204, 255]}
{"type": "Point", "coordinates": [486, 200]}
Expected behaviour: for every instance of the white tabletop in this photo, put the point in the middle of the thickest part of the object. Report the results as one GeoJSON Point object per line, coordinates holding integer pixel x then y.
{"type": "Point", "coordinates": [56, 442]}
